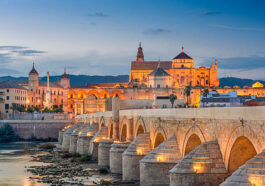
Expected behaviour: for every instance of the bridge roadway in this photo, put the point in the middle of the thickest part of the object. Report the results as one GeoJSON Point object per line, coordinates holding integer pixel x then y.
{"type": "Point", "coordinates": [191, 146]}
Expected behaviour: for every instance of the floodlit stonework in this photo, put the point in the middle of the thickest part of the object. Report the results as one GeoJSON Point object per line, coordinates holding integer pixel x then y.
{"type": "Point", "coordinates": [192, 146]}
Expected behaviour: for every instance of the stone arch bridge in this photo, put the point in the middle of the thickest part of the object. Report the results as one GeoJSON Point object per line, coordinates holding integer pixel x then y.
{"type": "Point", "coordinates": [193, 146]}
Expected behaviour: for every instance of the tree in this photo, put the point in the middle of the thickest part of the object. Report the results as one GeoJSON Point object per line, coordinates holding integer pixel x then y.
{"type": "Point", "coordinates": [187, 92]}
{"type": "Point", "coordinates": [205, 94]}
{"type": "Point", "coordinates": [14, 107]}
{"type": "Point", "coordinates": [172, 99]}
{"type": "Point", "coordinates": [7, 133]}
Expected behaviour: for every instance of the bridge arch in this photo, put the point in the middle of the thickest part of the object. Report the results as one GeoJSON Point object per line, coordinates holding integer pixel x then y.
{"type": "Point", "coordinates": [140, 127]}
{"type": "Point", "coordinates": [242, 150]}
{"type": "Point", "coordinates": [245, 131]}
{"type": "Point", "coordinates": [123, 134]}
{"type": "Point", "coordinates": [123, 128]}
{"type": "Point", "coordinates": [110, 128]}
{"type": "Point", "coordinates": [159, 138]}
{"type": "Point", "coordinates": [101, 122]}
{"type": "Point", "coordinates": [193, 138]}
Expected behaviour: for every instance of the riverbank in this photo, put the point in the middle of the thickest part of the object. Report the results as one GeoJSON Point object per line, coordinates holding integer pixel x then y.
{"type": "Point", "coordinates": [66, 169]}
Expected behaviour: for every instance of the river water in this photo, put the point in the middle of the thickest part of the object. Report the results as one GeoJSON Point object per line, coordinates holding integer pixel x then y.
{"type": "Point", "coordinates": [14, 158]}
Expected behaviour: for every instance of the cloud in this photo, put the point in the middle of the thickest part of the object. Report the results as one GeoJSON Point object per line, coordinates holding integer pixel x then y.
{"type": "Point", "coordinates": [29, 52]}
{"type": "Point", "coordinates": [239, 63]}
{"type": "Point", "coordinates": [211, 13]}
{"type": "Point", "coordinates": [12, 47]}
{"type": "Point", "coordinates": [7, 51]}
{"type": "Point", "coordinates": [97, 14]}
{"type": "Point", "coordinates": [156, 31]}
{"type": "Point", "coordinates": [237, 28]}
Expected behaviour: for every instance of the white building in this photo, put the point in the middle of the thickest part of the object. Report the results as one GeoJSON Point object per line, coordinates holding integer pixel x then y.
{"type": "Point", "coordinates": [214, 99]}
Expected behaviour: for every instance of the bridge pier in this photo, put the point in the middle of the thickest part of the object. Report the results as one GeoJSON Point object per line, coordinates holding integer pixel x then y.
{"type": "Point", "coordinates": [60, 137]}
{"type": "Point", "coordinates": [84, 138]}
{"type": "Point", "coordinates": [132, 156]}
{"type": "Point", "coordinates": [104, 153]}
{"type": "Point", "coordinates": [249, 174]}
{"type": "Point", "coordinates": [116, 156]}
{"type": "Point", "coordinates": [74, 138]}
{"type": "Point", "coordinates": [202, 166]}
{"type": "Point", "coordinates": [155, 166]}
{"type": "Point", "coordinates": [94, 142]}
{"type": "Point", "coordinates": [67, 135]}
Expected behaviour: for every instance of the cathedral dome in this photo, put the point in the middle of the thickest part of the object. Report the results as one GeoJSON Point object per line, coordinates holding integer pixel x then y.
{"type": "Point", "coordinates": [182, 55]}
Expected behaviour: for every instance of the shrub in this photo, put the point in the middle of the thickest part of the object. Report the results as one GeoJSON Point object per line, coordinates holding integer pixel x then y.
{"type": "Point", "coordinates": [76, 155]}
{"type": "Point", "coordinates": [85, 157]}
{"type": "Point", "coordinates": [66, 155]}
{"type": "Point", "coordinates": [33, 137]}
{"type": "Point", "coordinates": [103, 170]}
{"type": "Point", "coordinates": [47, 146]}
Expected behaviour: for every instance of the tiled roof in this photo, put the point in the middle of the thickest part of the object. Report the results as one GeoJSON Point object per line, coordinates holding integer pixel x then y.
{"type": "Point", "coordinates": [150, 65]}
{"type": "Point", "coordinates": [159, 72]}
{"type": "Point", "coordinates": [182, 55]}
{"type": "Point", "coordinates": [10, 84]}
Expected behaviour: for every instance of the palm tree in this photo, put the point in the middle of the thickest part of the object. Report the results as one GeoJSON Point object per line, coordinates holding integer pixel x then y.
{"type": "Point", "coordinates": [172, 99]}
{"type": "Point", "coordinates": [205, 94]}
{"type": "Point", "coordinates": [187, 92]}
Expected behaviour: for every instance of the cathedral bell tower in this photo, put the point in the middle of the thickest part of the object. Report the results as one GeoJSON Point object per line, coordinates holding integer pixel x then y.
{"type": "Point", "coordinates": [33, 79]}
{"type": "Point", "coordinates": [140, 54]}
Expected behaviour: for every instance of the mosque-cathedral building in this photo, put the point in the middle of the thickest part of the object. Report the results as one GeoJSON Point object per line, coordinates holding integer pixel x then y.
{"type": "Point", "coordinates": [148, 81]}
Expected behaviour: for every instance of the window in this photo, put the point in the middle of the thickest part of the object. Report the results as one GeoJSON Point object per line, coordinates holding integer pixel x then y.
{"type": "Point", "coordinates": [158, 86]}
{"type": "Point", "coordinates": [7, 97]}
{"type": "Point", "coordinates": [150, 86]}
{"type": "Point", "coordinates": [182, 66]}
{"type": "Point", "coordinates": [6, 106]}
{"type": "Point", "coordinates": [7, 90]}
{"type": "Point", "coordinates": [207, 82]}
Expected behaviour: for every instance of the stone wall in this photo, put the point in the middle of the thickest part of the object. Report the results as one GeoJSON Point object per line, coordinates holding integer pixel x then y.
{"type": "Point", "coordinates": [39, 128]}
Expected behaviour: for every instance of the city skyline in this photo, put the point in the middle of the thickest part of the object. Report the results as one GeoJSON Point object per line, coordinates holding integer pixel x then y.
{"type": "Point", "coordinates": [101, 38]}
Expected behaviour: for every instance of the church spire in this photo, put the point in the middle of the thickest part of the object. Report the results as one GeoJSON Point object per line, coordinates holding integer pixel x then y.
{"type": "Point", "coordinates": [140, 54]}
{"type": "Point", "coordinates": [33, 70]}
{"type": "Point", "coordinates": [64, 74]}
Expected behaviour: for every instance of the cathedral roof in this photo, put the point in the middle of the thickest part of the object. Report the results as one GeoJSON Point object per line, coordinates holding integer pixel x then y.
{"type": "Point", "coordinates": [150, 65]}
{"type": "Point", "coordinates": [33, 70]}
{"type": "Point", "coordinates": [182, 55]}
{"type": "Point", "coordinates": [159, 72]}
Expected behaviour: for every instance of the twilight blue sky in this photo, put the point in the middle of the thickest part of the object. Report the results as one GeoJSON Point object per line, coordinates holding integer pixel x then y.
{"type": "Point", "coordinates": [100, 37]}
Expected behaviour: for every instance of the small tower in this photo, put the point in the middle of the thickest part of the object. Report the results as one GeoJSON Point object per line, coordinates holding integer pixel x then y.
{"type": "Point", "coordinates": [65, 80]}
{"type": "Point", "coordinates": [140, 54]}
{"type": "Point", "coordinates": [33, 79]}
{"type": "Point", "coordinates": [47, 102]}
